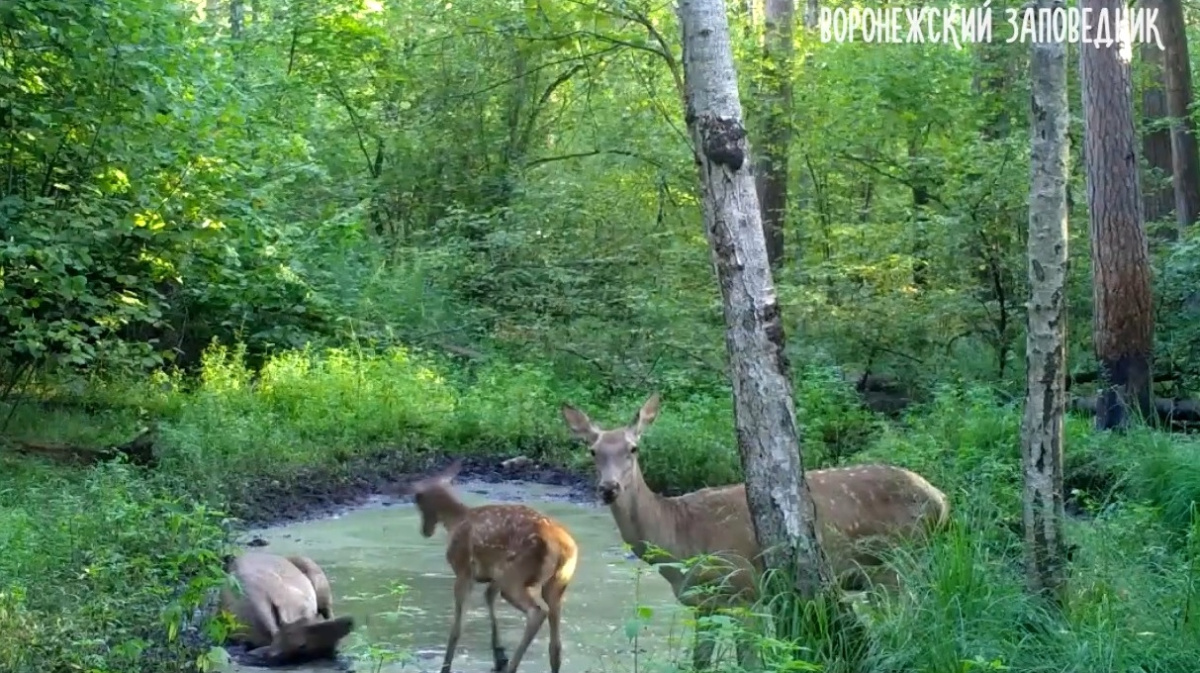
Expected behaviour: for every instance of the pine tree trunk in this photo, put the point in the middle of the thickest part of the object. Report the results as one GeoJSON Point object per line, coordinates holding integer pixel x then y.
{"type": "Point", "coordinates": [1123, 322]}
{"type": "Point", "coordinates": [764, 411]}
{"type": "Point", "coordinates": [1042, 430]}
{"type": "Point", "coordinates": [1158, 195]}
{"type": "Point", "coordinates": [1178, 70]}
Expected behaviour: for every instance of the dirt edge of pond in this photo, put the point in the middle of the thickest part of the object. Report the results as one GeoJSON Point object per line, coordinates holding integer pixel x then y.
{"type": "Point", "coordinates": [320, 491]}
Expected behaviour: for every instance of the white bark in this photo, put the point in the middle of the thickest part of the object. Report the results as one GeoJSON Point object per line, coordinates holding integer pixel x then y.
{"type": "Point", "coordinates": [764, 412]}
{"type": "Point", "coordinates": [1042, 431]}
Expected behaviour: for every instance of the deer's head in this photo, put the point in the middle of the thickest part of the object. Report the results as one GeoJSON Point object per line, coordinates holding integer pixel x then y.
{"type": "Point", "coordinates": [434, 497]}
{"type": "Point", "coordinates": [308, 639]}
{"type": "Point", "coordinates": [615, 452]}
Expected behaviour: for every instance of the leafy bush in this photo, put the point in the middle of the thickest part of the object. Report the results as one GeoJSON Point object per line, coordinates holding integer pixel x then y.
{"type": "Point", "coordinates": [102, 570]}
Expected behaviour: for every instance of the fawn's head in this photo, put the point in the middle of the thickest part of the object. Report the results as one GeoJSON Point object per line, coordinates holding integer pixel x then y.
{"type": "Point", "coordinates": [614, 451]}
{"type": "Point", "coordinates": [434, 498]}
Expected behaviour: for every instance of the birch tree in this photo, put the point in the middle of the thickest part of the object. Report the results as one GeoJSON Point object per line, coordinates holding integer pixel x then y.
{"type": "Point", "coordinates": [764, 411]}
{"type": "Point", "coordinates": [1042, 430]}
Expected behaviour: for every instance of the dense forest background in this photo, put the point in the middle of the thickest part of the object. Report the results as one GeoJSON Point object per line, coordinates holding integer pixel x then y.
{"type": "Point", "coordinates": [271, 239]}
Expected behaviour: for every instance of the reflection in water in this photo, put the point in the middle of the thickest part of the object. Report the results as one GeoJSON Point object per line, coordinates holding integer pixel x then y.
{"type": "Point", "coordinates": [397, 586]}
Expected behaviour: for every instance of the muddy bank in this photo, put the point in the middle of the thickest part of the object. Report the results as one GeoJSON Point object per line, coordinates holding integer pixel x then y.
{"type": "Point", "coordinates": [319, 491]}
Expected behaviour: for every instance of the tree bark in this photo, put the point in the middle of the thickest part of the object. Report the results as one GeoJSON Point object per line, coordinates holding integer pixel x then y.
{"type": "Point", "coordinates": [1186, 156]}
{"type": "Point", "coordinates": [1046, 360]}
{"type": "Point", "coordinates": [1123, 321]}
{"type": "Point", "coordinates": [775, 97]}
{"type": "Point", "coordinates": [237, 18]}
{"type": "Point", "coordinates": [1158, 199]}
{"type": "Point", "coordinates": [764, 411]}
{"type": "Point", "coordinates": [812, 14]}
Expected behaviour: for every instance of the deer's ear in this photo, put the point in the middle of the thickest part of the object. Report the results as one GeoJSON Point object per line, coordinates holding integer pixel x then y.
{"type": "Point", "coordinates": [452, 471]}
{"type": "Point", "coordinates": [646, 415]}
{"type": "Point", "coordinates": [580, 425]}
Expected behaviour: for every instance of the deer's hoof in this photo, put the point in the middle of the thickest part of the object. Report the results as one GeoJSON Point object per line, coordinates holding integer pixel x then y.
{"type": "Point", "coordinates": [500, 659]}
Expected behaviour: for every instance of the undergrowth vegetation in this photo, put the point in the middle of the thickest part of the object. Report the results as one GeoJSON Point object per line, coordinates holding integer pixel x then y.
{"type": "Point", "coordinates": [297, 240]}
{"type": "Point", "coordinates": [93, 554]}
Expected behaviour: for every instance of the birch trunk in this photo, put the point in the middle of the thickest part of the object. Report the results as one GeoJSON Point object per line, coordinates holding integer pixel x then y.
{"type": "Point", "coordinates": [1042, 430]}
{"type": "Point", "coordinates": [764, 412]}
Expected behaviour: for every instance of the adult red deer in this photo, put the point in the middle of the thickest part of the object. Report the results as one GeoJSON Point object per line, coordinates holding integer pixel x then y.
{"type": "Point", "coordinates": [284, 608]}
{"type": "Point", "coordinates": [861, 510]}
{"type": "Point", "coordinates": [520, 553]}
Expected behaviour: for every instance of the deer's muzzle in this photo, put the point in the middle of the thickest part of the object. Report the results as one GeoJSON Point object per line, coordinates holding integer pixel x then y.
{"type": "Point", "coordinates": [608, 491]}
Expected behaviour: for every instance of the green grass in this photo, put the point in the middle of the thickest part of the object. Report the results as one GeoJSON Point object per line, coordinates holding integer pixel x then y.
{"type": "Point", "coordinates": [98, 561]}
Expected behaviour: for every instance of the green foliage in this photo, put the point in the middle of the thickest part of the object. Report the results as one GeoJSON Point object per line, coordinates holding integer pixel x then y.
{"type": "Point", "coordinates": [96, 566]}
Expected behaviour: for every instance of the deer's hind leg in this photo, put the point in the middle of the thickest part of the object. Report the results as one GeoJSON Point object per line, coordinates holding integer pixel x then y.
{"type": "Point", "coordinates": [553, 595]}
{"type": "Point", "coordinates": [527, 598]}
{"type": "Point", "coordinates": [499, 656]}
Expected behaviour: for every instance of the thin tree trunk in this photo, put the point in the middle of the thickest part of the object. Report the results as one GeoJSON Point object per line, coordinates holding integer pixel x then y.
{"type": "Point", "coordinates": [1159, 196]}
{"type": "Point", "coordinates": [775, 98]}
{"type": "Point", "coordinates": [764, 411]}
{"type": "Point", "coordinates": [812, 14]}
{"type": "Point", "coordinates": [1186, 156]}
{"type": "Point", "coordinates": [237, 18]}
{"type": "Point", "coordinates": [1046, 356]}
{"type": "Point", "coordinates": [1123, 320]}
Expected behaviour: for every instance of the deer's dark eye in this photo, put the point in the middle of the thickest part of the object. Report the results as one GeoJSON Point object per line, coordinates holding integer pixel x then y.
{"type": "Point", "coordinates": [633, 449]}
{"type": "Point", "coordinates": [593, 452]}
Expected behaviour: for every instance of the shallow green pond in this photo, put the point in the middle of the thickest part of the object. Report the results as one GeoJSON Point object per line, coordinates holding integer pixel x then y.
{"type": "Point", "coordinates": [397, 586]}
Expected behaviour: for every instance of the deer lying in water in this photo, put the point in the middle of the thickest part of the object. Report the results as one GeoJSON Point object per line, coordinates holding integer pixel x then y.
{"type": "Point", "coordinates": [520, 553]}
{"type": "Point", "coordinates": [285, 610]}
{"type": "Point", "coordinates": [861, 510]}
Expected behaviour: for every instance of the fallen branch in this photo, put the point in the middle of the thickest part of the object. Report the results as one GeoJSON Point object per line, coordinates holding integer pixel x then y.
{"type": "Point", "coordinates": [138, 451]}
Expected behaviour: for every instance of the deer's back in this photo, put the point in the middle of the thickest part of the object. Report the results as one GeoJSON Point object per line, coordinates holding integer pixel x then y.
{"type": "Point", "coordinates": [276, 586]}
{"type": "Point", "coordinates": [493, 537]}
{"type": "Point", "coordinates": [873, 502]}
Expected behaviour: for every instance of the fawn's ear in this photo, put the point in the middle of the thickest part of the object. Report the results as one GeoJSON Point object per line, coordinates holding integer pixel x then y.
{"type": "Point", "coordinates": [580, 425]}
{"type": "Point", "coordinates": [451, 470]}
{"type": "Point", "coordinates": [646, 415]}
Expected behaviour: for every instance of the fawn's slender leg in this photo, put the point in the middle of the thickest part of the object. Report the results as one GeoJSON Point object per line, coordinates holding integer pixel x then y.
{"type": "Point", "coordinates": [462, 591]}
{"type": "Point", "coordinates": [499, 657]}
{"type": "Point", "coordinates": [527, 600]}
{"type": "Point", "coordinates": [554, 597]}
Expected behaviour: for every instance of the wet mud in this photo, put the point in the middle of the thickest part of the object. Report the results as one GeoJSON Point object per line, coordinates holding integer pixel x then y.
{"type": "Point", "coordinates": [316, 492]}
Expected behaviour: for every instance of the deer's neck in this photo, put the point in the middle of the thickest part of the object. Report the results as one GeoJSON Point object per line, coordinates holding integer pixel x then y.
{"type": "Point", "coordinates": [647, 520]}
{"type": "Point", "coordinates": [451, 512]}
